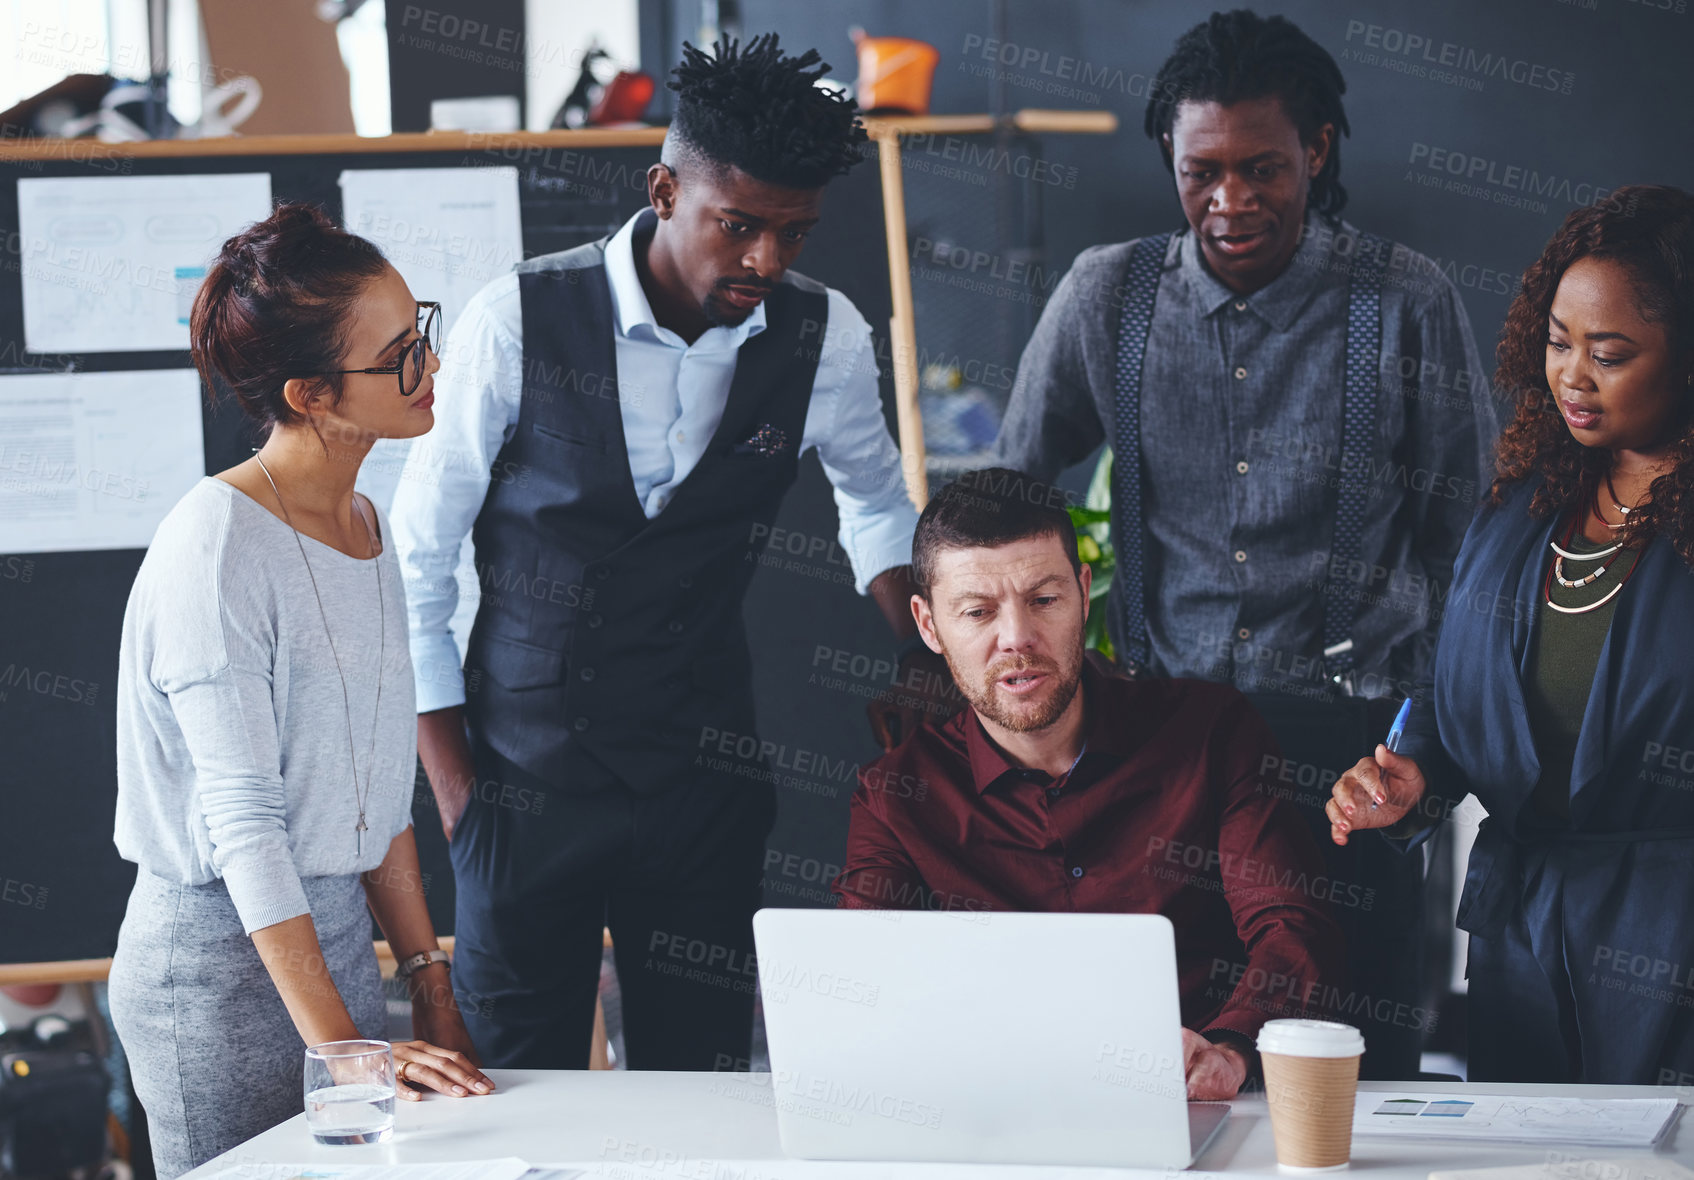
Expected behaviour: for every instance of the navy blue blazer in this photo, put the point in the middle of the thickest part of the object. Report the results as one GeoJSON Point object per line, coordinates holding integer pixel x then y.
{"type": "Point", "coordinates": [1611, 900]}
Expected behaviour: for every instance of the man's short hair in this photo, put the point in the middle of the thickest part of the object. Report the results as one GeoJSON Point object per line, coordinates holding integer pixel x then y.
{"type": "Point", "coordinates": [754, 108]}
{"type": "Point", "coordinates": [1233, 57]}
{"type": "Point", "coordinates": [986, 509]}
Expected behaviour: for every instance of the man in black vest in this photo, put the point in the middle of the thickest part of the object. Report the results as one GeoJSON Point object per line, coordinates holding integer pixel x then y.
{"type": "Point", "coordinates": [620, 422]}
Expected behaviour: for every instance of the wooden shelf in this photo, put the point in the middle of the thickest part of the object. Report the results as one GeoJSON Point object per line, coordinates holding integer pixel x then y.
{"type": "Point", "coordinates": [75, 150]}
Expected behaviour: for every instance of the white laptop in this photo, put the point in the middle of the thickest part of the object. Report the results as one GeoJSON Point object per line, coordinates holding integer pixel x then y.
{"type": "Point", "coordinates": [978, 1038]}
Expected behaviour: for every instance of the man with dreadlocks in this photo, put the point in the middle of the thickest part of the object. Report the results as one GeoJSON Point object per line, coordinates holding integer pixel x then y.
{"type": "Point", "coordinates": [1299, 421]}
{"type": "Point", "coordinates": [620, 422]}
{"type": "Point", "coordinates": [1228, 395]}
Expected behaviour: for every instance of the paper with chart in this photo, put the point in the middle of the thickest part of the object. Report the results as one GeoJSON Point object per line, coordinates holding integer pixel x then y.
{"type": "Point", "coordinates": [95, 460]}
{"type": "Point", "coordinates": [1564, 1165]}
{"type": "Point", "coordinates": [112, 263]}
{"type": "Point", "coordinates": [502, 1169]}
{"type": "Point", "coordinates": [1505, 1118]}
{"type": "Point", "coordinates": [448, 231]}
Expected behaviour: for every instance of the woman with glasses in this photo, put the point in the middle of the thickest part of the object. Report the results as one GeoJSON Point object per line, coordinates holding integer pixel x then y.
{"type": "Point", "coordinates": [266, 732]}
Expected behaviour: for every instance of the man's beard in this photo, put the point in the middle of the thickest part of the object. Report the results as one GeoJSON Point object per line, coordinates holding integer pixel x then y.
{"type": "Point", "coordinates": [720, 314]}
{"type": "Point", "coordinates": [985, 698]}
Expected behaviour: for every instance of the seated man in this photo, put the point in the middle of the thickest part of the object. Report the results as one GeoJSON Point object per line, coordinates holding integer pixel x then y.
{"type": "Point", "coordinates": [1064, 788]}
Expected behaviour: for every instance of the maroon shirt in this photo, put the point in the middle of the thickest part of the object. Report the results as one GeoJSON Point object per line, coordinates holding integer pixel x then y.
{"type": "Point", "coordinates": [1165, 812]}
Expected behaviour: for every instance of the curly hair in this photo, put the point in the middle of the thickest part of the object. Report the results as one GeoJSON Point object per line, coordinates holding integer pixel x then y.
{"type": "Point", "coordinates": [1649, 230]}
{"type": "Point", "coordinates": [754, 108]}
{"type": "Point", "coordinates": [1236, 56]}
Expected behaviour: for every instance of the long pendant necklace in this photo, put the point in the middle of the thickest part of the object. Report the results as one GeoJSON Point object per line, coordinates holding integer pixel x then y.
{"type": "Point", "coordinates": [359, 795]}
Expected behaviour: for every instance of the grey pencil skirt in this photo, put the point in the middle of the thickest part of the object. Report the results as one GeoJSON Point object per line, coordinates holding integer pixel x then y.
{"type": "Point", "coordinates": [213, 1053]}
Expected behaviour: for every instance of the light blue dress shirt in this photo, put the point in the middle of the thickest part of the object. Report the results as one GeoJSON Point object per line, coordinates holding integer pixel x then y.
{"type": "Point", "coordinates": [671, 396]}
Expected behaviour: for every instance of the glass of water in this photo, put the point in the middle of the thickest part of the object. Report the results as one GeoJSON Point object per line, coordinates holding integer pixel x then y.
{"type": "Point", "coordinates": [350, 1091]}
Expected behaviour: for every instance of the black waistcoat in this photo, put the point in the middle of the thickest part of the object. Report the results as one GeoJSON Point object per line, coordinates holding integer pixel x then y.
{"type": "Point", "coordinates": [605, 641]}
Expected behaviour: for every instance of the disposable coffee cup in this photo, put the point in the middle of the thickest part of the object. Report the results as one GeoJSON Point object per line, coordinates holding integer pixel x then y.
{"type": "Point", "coordinates": [1311, 1074]}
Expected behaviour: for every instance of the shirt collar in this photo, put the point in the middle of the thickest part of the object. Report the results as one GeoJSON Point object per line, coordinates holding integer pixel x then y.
{"type": "Point", "coordinates": [631, 312]}
{"type": "Point", "coordinates": [1103, 734]}
{"type": "Point", "coordinates": [1281, 300]}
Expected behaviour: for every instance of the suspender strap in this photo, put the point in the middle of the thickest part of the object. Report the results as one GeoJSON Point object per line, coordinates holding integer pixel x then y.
{"type": "Point", "coordinates": [1141, 286]}
{"type": "Point", "coordinates": [1359, 419]}
{"type": "Point", "coordinates": [1358, 431]}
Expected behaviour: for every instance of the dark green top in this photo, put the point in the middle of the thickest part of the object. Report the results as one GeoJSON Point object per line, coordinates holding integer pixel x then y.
{"type": "Point", "coordinates": [1560, 674]}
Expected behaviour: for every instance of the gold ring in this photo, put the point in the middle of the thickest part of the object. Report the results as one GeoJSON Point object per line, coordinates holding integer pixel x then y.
{"type": "Point", "coordinates": [401, 1072]}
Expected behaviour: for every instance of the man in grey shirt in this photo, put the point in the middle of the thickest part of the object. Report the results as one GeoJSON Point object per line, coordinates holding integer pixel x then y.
{"type": "Point", "coordinates": [1245, 536]}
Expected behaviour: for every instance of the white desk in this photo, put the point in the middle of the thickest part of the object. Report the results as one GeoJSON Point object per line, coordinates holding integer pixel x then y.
{"type": "Point", "coordinates": [699, 1126]}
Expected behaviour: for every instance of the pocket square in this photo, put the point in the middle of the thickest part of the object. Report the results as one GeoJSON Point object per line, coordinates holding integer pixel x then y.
{"type": "Point", "coordinates": [767, 440]}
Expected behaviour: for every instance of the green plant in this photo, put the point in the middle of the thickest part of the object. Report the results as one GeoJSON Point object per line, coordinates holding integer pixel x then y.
{"type": "Point", "coordinates": [1094, 547]}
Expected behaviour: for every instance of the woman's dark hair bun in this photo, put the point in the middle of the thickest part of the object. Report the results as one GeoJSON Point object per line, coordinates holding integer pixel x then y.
{"type": "Point", "coordinates": [275, 304]}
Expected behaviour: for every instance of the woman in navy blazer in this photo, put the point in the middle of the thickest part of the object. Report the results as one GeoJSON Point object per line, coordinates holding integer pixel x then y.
{"type": "Point", "coordinates": [1563, 689]}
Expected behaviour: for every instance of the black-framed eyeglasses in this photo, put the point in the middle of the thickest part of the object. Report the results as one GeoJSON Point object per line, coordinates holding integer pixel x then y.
{"type": "Point", "coordinates": [409, 368]}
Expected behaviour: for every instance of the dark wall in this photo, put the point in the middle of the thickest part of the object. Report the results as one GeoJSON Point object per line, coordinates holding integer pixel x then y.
{"type": "Point", "coordinates": [1605, 100]}
{"type": "Point", "coordinates": [63, 888]}
{"type": "Point", "coordinates": [1459, 162]}
{"type": "Point", "coordinates": [1626, 118]}
{"type": "Point", "coordinates": [452, 49]}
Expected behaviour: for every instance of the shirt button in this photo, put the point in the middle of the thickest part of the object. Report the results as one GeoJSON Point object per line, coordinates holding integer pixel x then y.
{"type": "Point", "coordinates": [1052, 792]}
{"type": "Point", "coordinates": [1240, 374]}
{"type": "Point", "coordinates": [680, 437]}
{"type": "Point", "coordinates": [685, 581]}
{"type": "Point", "coordinates": [595, 620]}
{"type": "Point", "coordinates": [587, 673]}
{"type": "Point", "coordinates": [1240, 305]}
{"type": "Point", "coordinates": [1076, 870]}
{"type": "Point", "coordinates": [675, 627]}
{"type": "Point", "coordinates": [1240, 555]}
{"type": "Point", "coordinates": [1241, 467]}
{"type": "Point", "coordinates": [1243, 633]}
{"type": "Point", "coordinates": [580, 724]}
{"type": "Point", "coordinates": [603, 572]}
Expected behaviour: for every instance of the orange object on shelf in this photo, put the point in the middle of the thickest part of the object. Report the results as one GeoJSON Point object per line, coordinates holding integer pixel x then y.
{"type": "Point", "coordinates": [623, 100]}
{"type": "Point", "coordinates": [895, 74]}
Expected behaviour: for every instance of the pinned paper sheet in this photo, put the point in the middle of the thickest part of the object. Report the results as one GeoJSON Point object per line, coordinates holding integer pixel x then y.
{"type": "Point", "coordinates": [448, 231]}
{"type": "Point", "coordinates": [95, 460]}
{"type": "Point", "coordinates": [112, 263]}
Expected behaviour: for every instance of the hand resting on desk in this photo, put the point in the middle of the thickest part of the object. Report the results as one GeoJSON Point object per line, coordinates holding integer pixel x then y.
{"type": "Point", "coordinates": [1215, 1072]}
{"type": "Point", "coordinates": [442, 1058]}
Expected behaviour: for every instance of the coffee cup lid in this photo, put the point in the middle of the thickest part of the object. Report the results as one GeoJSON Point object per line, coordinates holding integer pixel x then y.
{"type": "Point", "coordinates": [1310, 1038]}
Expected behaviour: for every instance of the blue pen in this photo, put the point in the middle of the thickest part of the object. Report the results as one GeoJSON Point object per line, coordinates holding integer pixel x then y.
{"type": "Point", "coordinates": [1396, 731]}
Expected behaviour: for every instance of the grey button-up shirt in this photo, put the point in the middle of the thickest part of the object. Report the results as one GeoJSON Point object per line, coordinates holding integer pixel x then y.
{"type": "Point", "coordinates": [1241, 416]}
